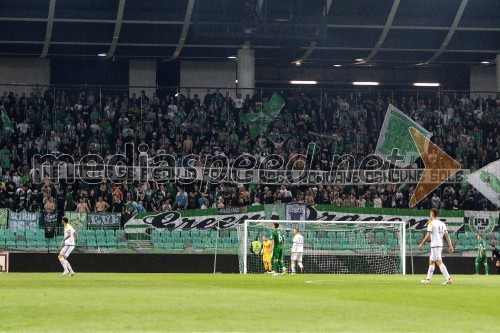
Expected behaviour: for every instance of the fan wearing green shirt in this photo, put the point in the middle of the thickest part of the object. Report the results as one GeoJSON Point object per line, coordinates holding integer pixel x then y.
{"type": "Point", "coordinates": [278, 241]}
{"type": "Point", "coordinates": [481, 255]}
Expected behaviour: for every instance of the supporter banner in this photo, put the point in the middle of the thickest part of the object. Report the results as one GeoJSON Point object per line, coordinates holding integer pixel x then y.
{"type": "Point", "coordinates": [4, 213]}
{"type": "Point", "coordinates": [23, 220]}
{"type": "Point", "coordinates": [104, 220]}
{"type": "Point", "coordinates": [232, 210]}
{"type": "Point", "coordinates": [487, 181]}
{"type": "Point", "coordinates": [274, 212]}
{"type": "Point", "coordinates": [395, 142]}
{"type": "Point", "coordinates": [76, 219]}
{"type": "Point", "coordinates": [296, 212]}
{"type": "Point", "coordinates": [481, 222]}
{"type": "Point", "coordinates": [163, 174]}
{"type": "Point", "coordinates": [50, 218]}
{"type": "Point", "coordinates": [207, 219]}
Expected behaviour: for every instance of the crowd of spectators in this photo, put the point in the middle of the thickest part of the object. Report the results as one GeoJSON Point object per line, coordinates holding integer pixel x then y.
{"type": "Point", "coordinates": [80, 122]}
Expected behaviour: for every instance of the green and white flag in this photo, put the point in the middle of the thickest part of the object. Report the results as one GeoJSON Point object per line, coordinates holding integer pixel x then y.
{"type": "Point", "coordinates": [395, 142]}
{"type": "Point", "coordinates": [4, 212]}
{"type": "Point", "coordinates": [487, 181]}
{"type": "Point", "coordinates": [77, 220]}
{"type": "Point", "coordinates": [260, 121]}
{"type": "Point", "coordinates": [7, 124]}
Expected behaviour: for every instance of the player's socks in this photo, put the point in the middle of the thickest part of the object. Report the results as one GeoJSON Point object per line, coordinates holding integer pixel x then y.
{"type": "Point", "coordinates": [430, 271]}
{"type": "Point", "coordinates": [68, 267]}
{"type": "Point", "coordinates": [444, 270]}
{"type": "Point", "coordinates": [293, 266]}
{"type": "Point", "coordinates": [276, 267]}
{"type": "Point", "coordinates": [477, 269]}
{"type": "Point", "coordinates": [487, 269]}
{"type": "Point", "coordinates": [63, 263]}
{"type": "Point", "coordinates": [301, 267]}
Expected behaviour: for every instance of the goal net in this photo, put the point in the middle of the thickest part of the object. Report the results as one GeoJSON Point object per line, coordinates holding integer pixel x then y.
{"type": "Point", "coordinates": [330, 247]}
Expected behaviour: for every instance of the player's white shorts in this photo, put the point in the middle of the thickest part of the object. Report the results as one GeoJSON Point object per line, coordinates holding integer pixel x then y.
{"type": "Point", "coordinates": [66, 250]}
{"type": "Point", "coordinates": [436, 253]}
{"type": "Point", "coordinates": [297, 256]}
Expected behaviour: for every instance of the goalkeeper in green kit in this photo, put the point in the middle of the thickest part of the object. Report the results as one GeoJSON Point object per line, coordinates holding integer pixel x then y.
{"type": "Point", "coordinates": [481, 255]}
{"type": "Point", "coordinates": [278, 241]}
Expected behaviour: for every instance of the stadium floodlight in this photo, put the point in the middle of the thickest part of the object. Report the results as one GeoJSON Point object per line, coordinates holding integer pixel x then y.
{"type": "Point", "coordinates": [366, 83]}
{"type": "Point", "coordinates": [359, 59]}
{"type": "Point", "coordinates": [232, 57]}
{"type": "Point", "coordinates": [332, 247]}
{"type": "Point", "coordinates": [426, 84]}
{"type": "Point", "coordinates": [303, 82]}
{"type": "Point", "coordinates": [337, 65]}
{"type": "Point", "coordinates": [102, 54]}
{"type": "Point", "coordinates": [485, 62]}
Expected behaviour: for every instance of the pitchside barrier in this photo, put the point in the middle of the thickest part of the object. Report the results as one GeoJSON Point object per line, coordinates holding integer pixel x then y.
{"type": "Point", "coordinates": [215, 231]}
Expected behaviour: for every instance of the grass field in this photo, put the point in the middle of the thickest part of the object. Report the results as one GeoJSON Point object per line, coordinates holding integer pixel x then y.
{"type": "Point", "coordinates": [256, 303]}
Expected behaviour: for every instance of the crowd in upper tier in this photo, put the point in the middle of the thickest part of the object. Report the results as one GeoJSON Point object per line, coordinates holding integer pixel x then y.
{"type": "Point", "coordinates": [80, 122]}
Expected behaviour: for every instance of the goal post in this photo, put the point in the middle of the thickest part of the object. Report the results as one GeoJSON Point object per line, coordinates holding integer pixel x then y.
{"type": "Point", "coordinates": [331, 247]}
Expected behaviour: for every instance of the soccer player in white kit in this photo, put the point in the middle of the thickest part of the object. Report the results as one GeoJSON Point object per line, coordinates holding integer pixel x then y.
{"type": "Point", "coordinates": [69, 239]}
{"type": "Point", "coordinates": [297, 250]}
{"type": "Point", "coordinates": [435, 231]}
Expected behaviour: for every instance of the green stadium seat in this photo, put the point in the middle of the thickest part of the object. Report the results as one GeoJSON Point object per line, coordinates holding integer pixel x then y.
{"type": "Point", "coordinates": [21, 244]}
{"type": "Point", "coordinates": [101, 241]}
{"type": "Point", "coordinates": [155, 235]}
{"type": "Point", "coordinates": [100, 233]}
{"type": "Point", "coordinates": [110, 233]}
{"type": "Point", "coordinates": [167, 245]}
{"type": "Point", "coordinates": [157, 243]}
{"type": "Point", "coordinates": [178, 245]}
{"type": "Point", "coordinates": [41, 244]}
{"type": "Point", "coordinates": [54, 243]}
{"type": "Point", "coordinates": [10, 243]}
{"type": "Point", "coordinates": [199, 245]}
{"type": "Point", "coordinates": [90, 233]}
{"type": "Point", "coordinates": [30, 234]}
{"type": "Point", "coordinates": [40, 236]}
{"type": "Point", "coordinates": [195, 233]}
{"type": "Point", "coordinates": [165, 234]}
{"type": "Point", "coordinates": [111, 241]}
{"type": "Point", "coordinates": [91, 243]}
{"type": "Point", "coordinates": [121, 239]}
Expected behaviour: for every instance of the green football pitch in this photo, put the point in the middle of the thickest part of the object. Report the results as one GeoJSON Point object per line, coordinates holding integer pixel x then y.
{"type": "Point", "coordinates": [254, 303]}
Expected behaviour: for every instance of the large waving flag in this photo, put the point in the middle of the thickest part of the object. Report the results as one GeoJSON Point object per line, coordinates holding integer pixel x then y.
{"type": "Point", "coordinates": [259, 122]}
{"type": "Point", "coordinates": [487, 181]}
{"type": "Point", "coordinates": [395, 142]}
{"type": "Point", "coordinates": [7, 124]}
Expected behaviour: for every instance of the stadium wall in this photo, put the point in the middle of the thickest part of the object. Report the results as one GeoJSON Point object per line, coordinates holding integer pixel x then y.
{"type": "Point", "coordinates": [206, 75]}
{"type": "Point", "coordinates": [482, 78]}
{"type": "Point", "coordinates": [24, 71]}
{"type": "Point", "coordinates": [182, 263]}
{"type": "Point", "coordinates": [142, 73]}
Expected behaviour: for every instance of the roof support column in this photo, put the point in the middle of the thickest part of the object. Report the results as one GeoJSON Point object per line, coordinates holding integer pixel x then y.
{"type": "Point", "coordinates": [245, 71]}
{"type": "Point", "coordinates": [498, 72]}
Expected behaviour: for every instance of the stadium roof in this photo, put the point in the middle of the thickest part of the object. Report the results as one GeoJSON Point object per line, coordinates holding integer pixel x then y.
{"type": "Point", "coordinates": [394, 32]}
